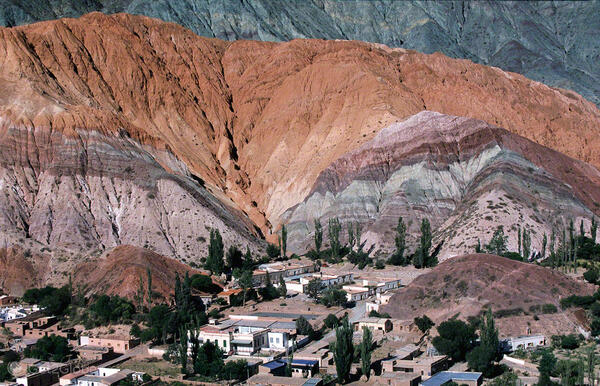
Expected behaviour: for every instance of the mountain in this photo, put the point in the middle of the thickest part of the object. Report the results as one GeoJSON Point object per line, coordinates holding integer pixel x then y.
{"type": "Point", "coordinates": [120, 270]}
{"type": "Point", "coordinates": [128, 130]}
{"type": "Point", "coordinates": [463, 174]}
{"type": "Point", "coordinates": [466, 285]}
{"type": "Point", "coordinates": [549, 41]}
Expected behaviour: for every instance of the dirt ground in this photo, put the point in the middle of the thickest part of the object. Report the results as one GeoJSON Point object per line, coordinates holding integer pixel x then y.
{"type": "Point", "coordinates": [151, 366]}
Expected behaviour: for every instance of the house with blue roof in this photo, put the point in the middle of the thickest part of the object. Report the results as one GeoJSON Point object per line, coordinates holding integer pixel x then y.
{"type": "Point", "coordinates": [304, 368]}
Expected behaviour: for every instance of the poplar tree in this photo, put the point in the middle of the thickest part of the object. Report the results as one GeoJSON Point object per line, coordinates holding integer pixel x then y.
{"type": "Point", "coordinates": [365, 351]}
{"type": "Point", "coordinates": [334, 237]}
{"type": "Point", "coordinates": [400, 241]}
{"type": "Point", "coordinates": [318, 235]}
{"type": "Point", "coordinates": [343, 350]}
{"type": "Point", "coordinates": [283, 241]}
{"type": "Point", "coordinates": [214, 261]}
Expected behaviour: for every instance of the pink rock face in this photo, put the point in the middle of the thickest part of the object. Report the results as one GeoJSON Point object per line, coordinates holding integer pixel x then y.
{"type": "Point", "coordinates": [467, 284]}
{"type": "Point", "coordinates": [466, 176]}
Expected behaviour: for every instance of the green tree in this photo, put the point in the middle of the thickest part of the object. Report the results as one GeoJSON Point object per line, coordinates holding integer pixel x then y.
{"type": "Point", "coordinates": [334, 230]}
{"type": "Point", "coordinates": [210, 360]}
{"type": "Point", "coordinates": [481, 358]}
{"type": "Point", "coordinates": [331, 321]}
{"type": "Point", "coordinates": [519, 241]}
{"type": "Point", "coordinates": [234, 258]}
{"type": "Point", "coordinates": [366, 347]}
{"type": "Point", "coordinates": [245, 281]}
{"type": "Point", "coordinates": [314, 287]}
{"type": "Point", "coordinates": [318, 235]}
{"type": "Point", "coordinates": [273, 251]}
{"type": "Point", "coordinates": [590, 362]}
{"type": "Point", "coordinates": [303, 327]}
{"type": "Point", "coordinates": [235, 370]}
{"type": "Point", "coordinates": [214, 261]}
{"type": "Point", "coordinates": [53, 347]}
{"type": "Point", "coordinates": [282, 288]}
{"type": "Point", "coordinates": [283, 241]}
{"type": "Point", "coordinates": [398, 257]}
{"type": "Point", "coordinates": [149, 284]}
{"type": "Point", "coordinates": [333, 297]}
{"type": "Point", "coordinates": [497, 244]}
{"type": "Point", "coordinates": [343, 350]}
{"type": "Point", "coordinates": [183, 349]}
{"type": "Point", "coordinates": [248, 261]}
{"type": "Point", "coordinates": [526, 243]}
{"type": "Point", "coordinates": [5, 375]}
{"type": "Point", "coordinates": [422, 257]}
{"type": "Point", "coordinates": [544, 243]}
{"type": "Point", "coordinates": [455, 339]}
{"type": "Point", "coordinates": [424, 323]}
{"type": "Point", "coordinates": [268, 292]}
{"type": "Point", "coordinates": [546, 368]}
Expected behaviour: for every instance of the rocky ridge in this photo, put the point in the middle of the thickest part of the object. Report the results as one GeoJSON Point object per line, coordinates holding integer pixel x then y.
{"type": "Point", "coordinates": [466, 176]}
{"type": "Point", "coordinates": [550, 41]}
{"type": "Point", "coordinates": [124, 129]}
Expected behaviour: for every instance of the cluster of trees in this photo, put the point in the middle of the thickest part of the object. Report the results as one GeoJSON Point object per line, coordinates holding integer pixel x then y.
{"type": "Point", "coordinates": [7, 358]}
{"type": "Point", "coordinates": [54, 301]}
{"type": "Point", "coordinates": [457, 339]}
{"type": "Point", "coordinates": [330, 297]}
{"type": "Point", "coordinates": [53, 347]}
{"type": "Point", "coordinates": [571, 372]}
{"type": "Point", "coordinates": [572, 245]}
{"type": "Point", "coordinates": [353, 250]}
{"type": "Point", "coordinates": [591, 303]}
{"type": "Point", "coordinates": [423, 256]}
{"type": "Point", "coordinates": [205, 361]}
{"type": "Point", "coordinates": [345, 353]}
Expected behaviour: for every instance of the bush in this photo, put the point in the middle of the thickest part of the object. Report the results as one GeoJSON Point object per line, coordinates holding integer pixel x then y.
{"type": "Point", "coordinates": [331, 321]}
{"type": "Point", "coordinates": [273, 251]}
{"type": "Point", "coordinates": [53, 347]}
{"type": "Point", "coordinates": [577, 301]}
{"type": "Point", "coordinates": [375, 314]}
{"type": "Point", "coordinates": [424, 323]}
{"type": "Point", "coordinates": [543, 309]}
{"type": "Point", "coordinates": [455, 339]}
{"type": "Point", "coordinates": [591, 275]}
{"type": "Point", "coordinates": [508, 312]}
{"type": "Point", "coordinates": [333, 297]}
{"type": "Point", "coordinates": [204, 283]}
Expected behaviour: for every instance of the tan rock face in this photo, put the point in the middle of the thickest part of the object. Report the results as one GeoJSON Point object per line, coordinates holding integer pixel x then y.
{"type": "Point", "coordinates": [257, 122]}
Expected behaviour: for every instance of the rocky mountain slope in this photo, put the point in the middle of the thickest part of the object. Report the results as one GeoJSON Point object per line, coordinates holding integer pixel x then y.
{"type": "Point", "coordinates": [128, 130]}
{"type": "Point", "coordinates": [551, 41]}
{"type": "Point", "coordinates": [467, 284]}
{"type": "Point", "coordinates": [119, 271]}
{"type": "Point", "coordinates": [466, 176]}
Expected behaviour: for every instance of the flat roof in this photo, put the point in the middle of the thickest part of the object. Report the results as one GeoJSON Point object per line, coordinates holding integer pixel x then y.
{"type": "Point", "coordinates": [276, 364]}
{"type": "Point", "coordinates": [284, 315]}
{"type": "Point", "coordinates": [447, 376]}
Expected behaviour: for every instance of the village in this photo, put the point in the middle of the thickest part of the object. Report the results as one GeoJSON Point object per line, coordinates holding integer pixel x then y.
{"type": "Point", "coordinates": [288, 340]}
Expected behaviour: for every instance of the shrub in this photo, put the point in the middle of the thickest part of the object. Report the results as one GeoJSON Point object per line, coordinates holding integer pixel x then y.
{"type": "Point", "coordinates": [577, 301]}
{"type": "Point", "coordinates": [424, 323]}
